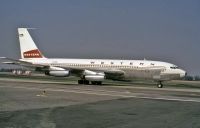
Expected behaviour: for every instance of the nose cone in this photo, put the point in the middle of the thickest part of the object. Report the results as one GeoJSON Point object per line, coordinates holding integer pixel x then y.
{"type": "Point", "coordinates": [182, 73]}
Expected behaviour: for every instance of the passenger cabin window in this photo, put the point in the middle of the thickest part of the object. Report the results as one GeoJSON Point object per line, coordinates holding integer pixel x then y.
{"type": "Point", "coordinates": [131, 63]}
{"type": "Point", "coordinates": [111, 62]}
{"type": "Point", "coordinates": [141, 63]}
{"type": "Point", "coordinates": [102, 62]}
{"type": "Point", "coordinates": [152, 64]}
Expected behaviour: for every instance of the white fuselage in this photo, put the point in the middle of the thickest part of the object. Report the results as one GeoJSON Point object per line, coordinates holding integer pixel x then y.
{"type": "Point", "coordinates": [146, 69]}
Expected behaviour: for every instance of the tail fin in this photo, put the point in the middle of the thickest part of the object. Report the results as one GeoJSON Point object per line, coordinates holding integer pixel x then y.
{"type": "Point", "coordinates": [27, 45]}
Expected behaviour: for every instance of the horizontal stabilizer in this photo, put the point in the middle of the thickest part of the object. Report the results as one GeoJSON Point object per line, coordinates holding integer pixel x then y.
{"type": "Point", "coordinates": [20, 62]}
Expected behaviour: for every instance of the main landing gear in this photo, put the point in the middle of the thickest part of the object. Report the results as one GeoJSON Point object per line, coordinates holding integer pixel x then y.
{"type": "Point", "coordinates": [160, 85]}
{"type": "Point", "coordinates": [96, 82]}
{"type": "Point", "coordinates": [87, 82]}
{"type": "Point", "coordinates": [83, 82]}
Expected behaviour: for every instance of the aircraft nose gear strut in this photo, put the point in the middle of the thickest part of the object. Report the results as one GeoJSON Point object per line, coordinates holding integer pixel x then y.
{"type": "Point", "coordinates": [160, 85]}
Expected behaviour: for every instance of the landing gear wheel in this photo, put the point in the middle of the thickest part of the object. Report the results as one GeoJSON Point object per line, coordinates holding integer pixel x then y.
{"type": "Point", "coordinates": [96, 82]}
{"type": "Point", "coordinates": [83, 82]}
{"type": "Point", "coordinates": [160, 85]}
{"type": "Point", "coordinates": [86, 82]}
{"type": "Point", "coordinates": [80, 81]}
{"type": "Point", "coordinates": [99, 83]}
{"type": "Point", "coordinates": [93, 82]}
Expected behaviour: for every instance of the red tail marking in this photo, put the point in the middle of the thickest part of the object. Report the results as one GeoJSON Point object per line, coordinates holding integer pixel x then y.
{"type": "Point", "coordinates": [32, 54]}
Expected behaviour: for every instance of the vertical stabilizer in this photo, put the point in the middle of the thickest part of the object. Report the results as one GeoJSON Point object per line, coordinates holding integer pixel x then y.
{"type": "Point", "coordinates": [27, 45]}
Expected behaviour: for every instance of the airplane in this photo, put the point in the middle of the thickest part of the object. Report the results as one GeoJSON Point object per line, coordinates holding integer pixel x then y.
{"type": "Point", "coordinates": [93, 71]}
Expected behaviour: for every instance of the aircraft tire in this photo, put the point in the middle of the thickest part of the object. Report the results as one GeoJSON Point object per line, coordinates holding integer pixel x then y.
{"type": "Point", "coordinates": [160, 85]}
{"type": "Point", "coordinates": [80, 81]}
{"type": "Point", "coordinates": [86, 82]}
{"type": "Point", "coordinates": [96, 82]}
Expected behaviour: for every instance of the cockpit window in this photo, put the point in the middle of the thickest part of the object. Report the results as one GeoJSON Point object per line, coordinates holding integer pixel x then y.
{"type": "Point", "coordinates": [174, 67]}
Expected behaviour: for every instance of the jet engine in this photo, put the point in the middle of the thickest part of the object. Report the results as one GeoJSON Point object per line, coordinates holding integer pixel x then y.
{"type": "Point", "coordinates": [57, 72]}
{"type": "Point", "coordinates": [94, 76]}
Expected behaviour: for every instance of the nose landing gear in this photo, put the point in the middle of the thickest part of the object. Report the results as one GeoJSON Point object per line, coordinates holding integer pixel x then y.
{"type": "Point", "coordinates": [160, 85]}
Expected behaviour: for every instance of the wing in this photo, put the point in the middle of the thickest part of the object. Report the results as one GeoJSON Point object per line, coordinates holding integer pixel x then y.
{"type": "Point", "coordinates": [109, 73]}
{"type": "Point", "coordinates": [22, 63]}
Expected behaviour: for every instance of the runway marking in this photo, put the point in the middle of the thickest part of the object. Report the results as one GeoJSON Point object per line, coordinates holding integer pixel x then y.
{"type": "Point", "coordinates": [128, 95]}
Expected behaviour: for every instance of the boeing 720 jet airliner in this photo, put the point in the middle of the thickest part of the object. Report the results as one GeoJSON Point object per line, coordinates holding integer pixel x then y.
{"type": "Point", "coordinates": [93, 71]}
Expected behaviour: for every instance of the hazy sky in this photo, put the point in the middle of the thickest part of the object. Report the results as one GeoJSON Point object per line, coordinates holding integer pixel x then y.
{"type": "Point", "coordinates": [166, 30]}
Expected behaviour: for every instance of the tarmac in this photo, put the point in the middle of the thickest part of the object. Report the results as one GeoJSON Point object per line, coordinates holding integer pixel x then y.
{"type": "Point", "coordinates": [35, 103]}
